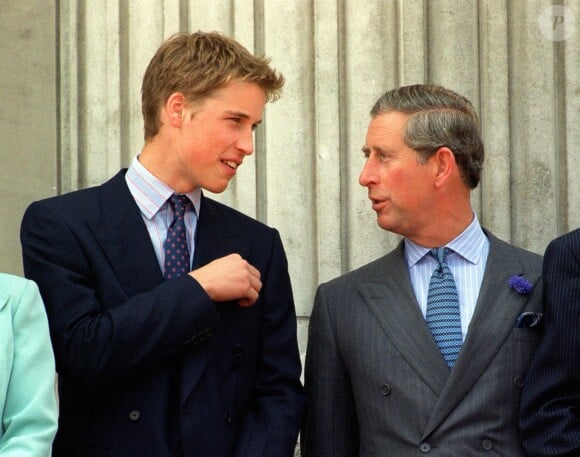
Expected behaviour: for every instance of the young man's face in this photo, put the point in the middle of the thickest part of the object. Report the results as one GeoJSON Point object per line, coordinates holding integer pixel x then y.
{"type": "Point", "coordinates": [399, 185]}
{"type": "Point", "coordinates": [216, 135]}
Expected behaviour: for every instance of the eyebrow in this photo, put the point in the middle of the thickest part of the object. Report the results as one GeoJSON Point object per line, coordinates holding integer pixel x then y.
{"type": "Point", "coordinates": [368, 150]}
{"type": "Point", "coordinates": [242, 115]}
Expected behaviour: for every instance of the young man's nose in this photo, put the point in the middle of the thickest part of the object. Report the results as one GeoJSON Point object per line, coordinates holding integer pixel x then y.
{"type": "Point", "coordinates": [246, 143]}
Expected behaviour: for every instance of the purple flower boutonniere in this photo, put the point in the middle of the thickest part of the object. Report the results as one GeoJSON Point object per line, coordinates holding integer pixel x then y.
{"type": "Point", "coordinates": [520, 284]}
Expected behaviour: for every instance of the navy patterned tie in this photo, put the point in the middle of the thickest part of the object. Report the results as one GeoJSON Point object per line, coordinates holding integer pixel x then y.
{"type": "Point", "coordinates": [176, 250]}
{"type": "Point", "coordinates": [443, 308]}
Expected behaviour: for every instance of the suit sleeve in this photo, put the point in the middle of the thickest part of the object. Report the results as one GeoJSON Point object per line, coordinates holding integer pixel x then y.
{"type": "Point", "coordinates": [271, 425]}
{"type": "Point", "coordinates": [330, 428]}
{"type": "Point", "coordinates": [29, 419]}
{"type": "Point", "coordinates": [550, 405]}
{"type": "Point", "coordinates": [96, 341]}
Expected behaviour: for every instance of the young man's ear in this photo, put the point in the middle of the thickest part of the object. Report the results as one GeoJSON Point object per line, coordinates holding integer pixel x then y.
{"type": "Point", "coordinates": [174, 106]}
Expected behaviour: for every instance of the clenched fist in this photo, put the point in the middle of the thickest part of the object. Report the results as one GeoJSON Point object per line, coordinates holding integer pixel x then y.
{"type": "Point", "coordinates": [229, 278]}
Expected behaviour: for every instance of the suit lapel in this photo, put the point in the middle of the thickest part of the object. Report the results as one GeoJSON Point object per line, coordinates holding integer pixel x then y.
{"type": "Point", "coordinates": [216, 236]}
{"type": "Point", "coordinates": [123, 236]}
{"type": "Point", "coordinates": [391, 299]}
{"type": "Point", "coordinates": [495, 315]}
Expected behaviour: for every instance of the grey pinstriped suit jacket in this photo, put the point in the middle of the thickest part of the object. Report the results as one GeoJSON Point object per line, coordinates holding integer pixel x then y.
{"type": "Point", "coordinates": [378, 385]}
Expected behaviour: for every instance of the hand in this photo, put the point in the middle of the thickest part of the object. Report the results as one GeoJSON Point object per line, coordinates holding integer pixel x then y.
{"type": "Point", "coordinates": [229, 278]}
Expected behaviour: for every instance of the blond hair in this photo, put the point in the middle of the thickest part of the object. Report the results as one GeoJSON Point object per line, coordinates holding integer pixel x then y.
{"type": "Point", "coordinates": [196, 65]}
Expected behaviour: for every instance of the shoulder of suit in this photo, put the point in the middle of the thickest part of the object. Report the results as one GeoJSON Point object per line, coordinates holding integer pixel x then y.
{"type": "Point", "coordinates": [529, 262]}
{"type": "Point", "coordinates": [236, 216]}
{"type": "Point", "coordinates": [12, 287]}
{"type": "Point", "coordinates": [569, 241]}
{"type": "Point", "coordinates": [13, 282]}
{"type": "Point", "coordinates": [373, 270]}
{"type": "Point", "coordinates": [83, 204]}
{"type": "Point", "coordinates": [82, 198]}
{"type": "Point", "coordinates": [497, 243]}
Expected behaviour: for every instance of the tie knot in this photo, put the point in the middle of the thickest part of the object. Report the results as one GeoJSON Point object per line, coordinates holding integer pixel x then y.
{"type": "Point", "coordinates": [179, 204]}
{"type": "Point", "coordinates": [440, 254]}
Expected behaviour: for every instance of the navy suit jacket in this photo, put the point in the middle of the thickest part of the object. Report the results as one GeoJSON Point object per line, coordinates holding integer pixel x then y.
{"type": "Point", "coordinates": [550, 408]}
{"type": "Point", "coordinates": [149, 367]}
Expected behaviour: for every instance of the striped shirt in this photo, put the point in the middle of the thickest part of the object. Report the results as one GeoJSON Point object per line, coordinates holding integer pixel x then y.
{"type": "Point", "coordinates": [466, 262]}
{"type": "Point", "coordinates": [151, 196]}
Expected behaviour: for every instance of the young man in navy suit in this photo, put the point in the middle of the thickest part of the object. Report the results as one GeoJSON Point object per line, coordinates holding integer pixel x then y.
{"type": "Point", "coordinates": [550, 410]}
{"type": "Point", "coordinates": [157, 358]}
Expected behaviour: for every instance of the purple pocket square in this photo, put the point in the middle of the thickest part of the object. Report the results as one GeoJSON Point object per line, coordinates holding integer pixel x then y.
{"type": "Point", "coordinates": [529, 320]}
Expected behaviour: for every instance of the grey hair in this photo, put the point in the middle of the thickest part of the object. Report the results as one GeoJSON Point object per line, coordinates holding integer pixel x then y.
{"type": "Point", "coordinates": [438, 117]}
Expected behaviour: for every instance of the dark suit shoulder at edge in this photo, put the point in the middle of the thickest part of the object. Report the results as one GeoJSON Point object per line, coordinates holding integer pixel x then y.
{"type": "Point", "coordinates": [570, 240]}
{"type": "Point", "coordinates": [82, 196]}
{"type": "Point", "coordinates": [236, 216]}
{"type": "Point", "coordinates": [369, 270]}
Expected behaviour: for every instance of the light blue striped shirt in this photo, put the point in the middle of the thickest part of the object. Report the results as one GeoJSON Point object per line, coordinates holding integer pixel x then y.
{"type": "Point", "coordinates": [466, 262]}
{"type": "Point", "coordinates": [151, 196]}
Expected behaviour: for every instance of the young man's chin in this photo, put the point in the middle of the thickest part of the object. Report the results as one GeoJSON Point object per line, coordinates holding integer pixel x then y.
{"type": "Point", "coordinates": [217, 188]}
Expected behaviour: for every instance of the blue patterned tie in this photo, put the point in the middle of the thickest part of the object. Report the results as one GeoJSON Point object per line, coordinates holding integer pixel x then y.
{"type": "Point", "coordinates": [176, 250]}
{"type": "Point", "coordinates": [443, 308]}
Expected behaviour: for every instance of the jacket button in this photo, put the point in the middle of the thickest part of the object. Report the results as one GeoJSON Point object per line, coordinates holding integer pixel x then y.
{"type": "Point", "coordinates": [486, 444]}
{"type": "Point", "coordinates": [134, 416]}
{"type": "Point", "coordinates": [386, 389]}
{"type": "Point", "coordinates": [518, 382]}
{"type": "Point", "coordinates": [425, 448]}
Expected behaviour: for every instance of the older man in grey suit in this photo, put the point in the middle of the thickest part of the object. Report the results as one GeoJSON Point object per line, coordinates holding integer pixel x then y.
{"type": "Point", "coordinates": [423, 351]}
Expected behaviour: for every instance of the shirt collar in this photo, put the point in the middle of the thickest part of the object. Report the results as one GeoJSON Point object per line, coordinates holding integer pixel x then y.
{"type": "Point", "coordinates": [468, 244]}
{"type": "Point", "coordinates": [152, 192]}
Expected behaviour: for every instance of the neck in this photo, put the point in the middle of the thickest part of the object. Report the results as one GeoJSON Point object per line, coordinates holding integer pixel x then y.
{"type": "Point", "coordinates": [443, 230]}
{"type": "Point", "coordinates": [160, 163]}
